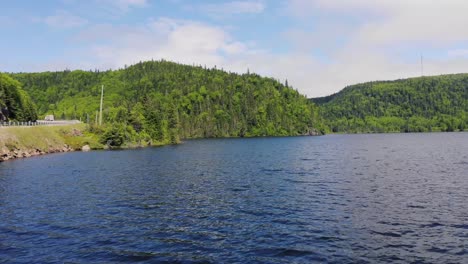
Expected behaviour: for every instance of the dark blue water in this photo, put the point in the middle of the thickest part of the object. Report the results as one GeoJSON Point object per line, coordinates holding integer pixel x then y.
{"type": "Point", "coordinates": [340, 198]}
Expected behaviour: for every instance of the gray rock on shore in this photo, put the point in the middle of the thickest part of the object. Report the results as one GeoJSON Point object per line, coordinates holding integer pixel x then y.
{"type": "Point", "coordinates": [86, 148]}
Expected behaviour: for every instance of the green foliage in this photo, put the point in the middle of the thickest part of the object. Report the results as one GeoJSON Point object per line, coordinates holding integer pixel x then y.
{"type": "Point", "coordinates": [19, 105]}
{"type": "Point", "coordinates": [78, 137]}
{"type": "Point", "coordinates": [423, 104]}
{"type": "Point", "coordinates": [114, 136]}
{"type": "Point", "coordinates": [162, 102]}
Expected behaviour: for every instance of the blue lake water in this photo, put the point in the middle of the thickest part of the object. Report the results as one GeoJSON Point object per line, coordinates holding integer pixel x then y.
{"type": "Point", "coordinates": [338, 198]}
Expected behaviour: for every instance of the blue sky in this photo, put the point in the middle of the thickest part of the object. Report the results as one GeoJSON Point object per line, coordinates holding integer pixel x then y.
{"type": "Point", "coordinates": [320, 46]}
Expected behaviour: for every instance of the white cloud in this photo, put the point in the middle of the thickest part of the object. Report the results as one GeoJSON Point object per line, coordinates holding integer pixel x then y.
{"type": "Point", "coordinates": [366, 54]}
{"type": "Point", "coordinates": [235, 48]}
{"type": "Point", "coordinates": [437, 22]}
{"type": "Point", "coordinates": [395, 21]}
{"type": "Point", "coordinates": [183, 41]}
{"type": "Point", "coordinates": [64, 19]}
{"type": "Point", "coordinates": [192, 42]}
{"type": "Point", "coordinates": [383, 40]}
{"type": "Point", "coordinates": [357, 40]}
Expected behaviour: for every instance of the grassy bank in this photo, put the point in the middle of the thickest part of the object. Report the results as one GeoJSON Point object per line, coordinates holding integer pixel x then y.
{"type": "Point", "coordinates": [18, 142]}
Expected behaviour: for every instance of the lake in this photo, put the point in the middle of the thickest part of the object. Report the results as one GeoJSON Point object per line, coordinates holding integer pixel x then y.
{"type": "Point", "coordinates": [376, 198]}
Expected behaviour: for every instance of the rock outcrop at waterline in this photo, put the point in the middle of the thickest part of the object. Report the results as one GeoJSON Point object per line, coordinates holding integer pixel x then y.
{"type": "Point", "coordinates": [7, 154]}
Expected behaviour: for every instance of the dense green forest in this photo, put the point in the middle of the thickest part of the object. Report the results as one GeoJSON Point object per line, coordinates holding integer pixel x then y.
{"type": "Point", "coordinates": [15, 104]}
{"type": "Point", "coordinates": [424, 104]}
{"type": "Point", "coordinates": [161, 102]}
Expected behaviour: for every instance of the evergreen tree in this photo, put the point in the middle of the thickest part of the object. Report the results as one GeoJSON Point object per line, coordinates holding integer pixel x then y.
{"type": "Point", "coordinates": [438, 103]}
{"type": "Point", "coordinates": [14, 101]}
{"type": "Point", "coordinates": [164, 102]}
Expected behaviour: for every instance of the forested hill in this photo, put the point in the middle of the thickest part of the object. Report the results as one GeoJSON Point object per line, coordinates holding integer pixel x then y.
{"type": "Point", "coordinates": [438, 103]}
{"type": "Point", "coordinates": [163, 101]}
{"type": "Point", "coordinates": [15, 104]}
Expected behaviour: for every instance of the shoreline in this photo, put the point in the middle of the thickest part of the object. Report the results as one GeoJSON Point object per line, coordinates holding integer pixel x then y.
{"type": "Point", "coordinates": [25, 142]}
{"type": "Point", "coordinates": [9, 150]}
{"type": "Point", "coordinates": [22, 153]}
{"type": "Point", "coordinates": [19, 143]}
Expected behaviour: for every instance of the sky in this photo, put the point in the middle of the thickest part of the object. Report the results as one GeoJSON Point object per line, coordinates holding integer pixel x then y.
{"type": "Point", "coordinates": [319, 46]}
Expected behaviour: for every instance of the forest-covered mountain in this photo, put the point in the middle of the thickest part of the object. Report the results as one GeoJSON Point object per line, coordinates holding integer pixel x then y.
{"type": "Point", "coordinates": [161, 101]}
{"type": "Point", "coordinates": [438, 103]}
{"type": "Point", "coordinates": [15, 104]}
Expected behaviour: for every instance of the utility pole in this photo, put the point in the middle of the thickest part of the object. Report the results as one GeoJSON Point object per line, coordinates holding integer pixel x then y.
{"type": "Point", "coordinates": [100, 108]}
{"type": "Point", "coordinates": [422, 66]}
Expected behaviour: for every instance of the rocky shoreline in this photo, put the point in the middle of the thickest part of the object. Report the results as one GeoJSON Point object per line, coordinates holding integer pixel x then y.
{"type": "Point", "coordinates": [7, 154]}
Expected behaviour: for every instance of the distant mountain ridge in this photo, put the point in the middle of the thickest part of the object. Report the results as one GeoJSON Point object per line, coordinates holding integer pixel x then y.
{"type": "Point", "coordinates": [433, 103]}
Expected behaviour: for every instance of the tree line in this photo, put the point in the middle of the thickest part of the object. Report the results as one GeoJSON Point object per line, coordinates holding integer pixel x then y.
{"type": "Point", "coordinates": [15, 104]}
{"type": "Point", "coordinates": [160, 102]}
{"type": "Point", "coordinates": [438, 103]}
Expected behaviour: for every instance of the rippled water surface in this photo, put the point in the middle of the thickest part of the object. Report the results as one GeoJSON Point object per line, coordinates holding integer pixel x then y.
{"type": "Point", "coordinates": [339, 198]}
